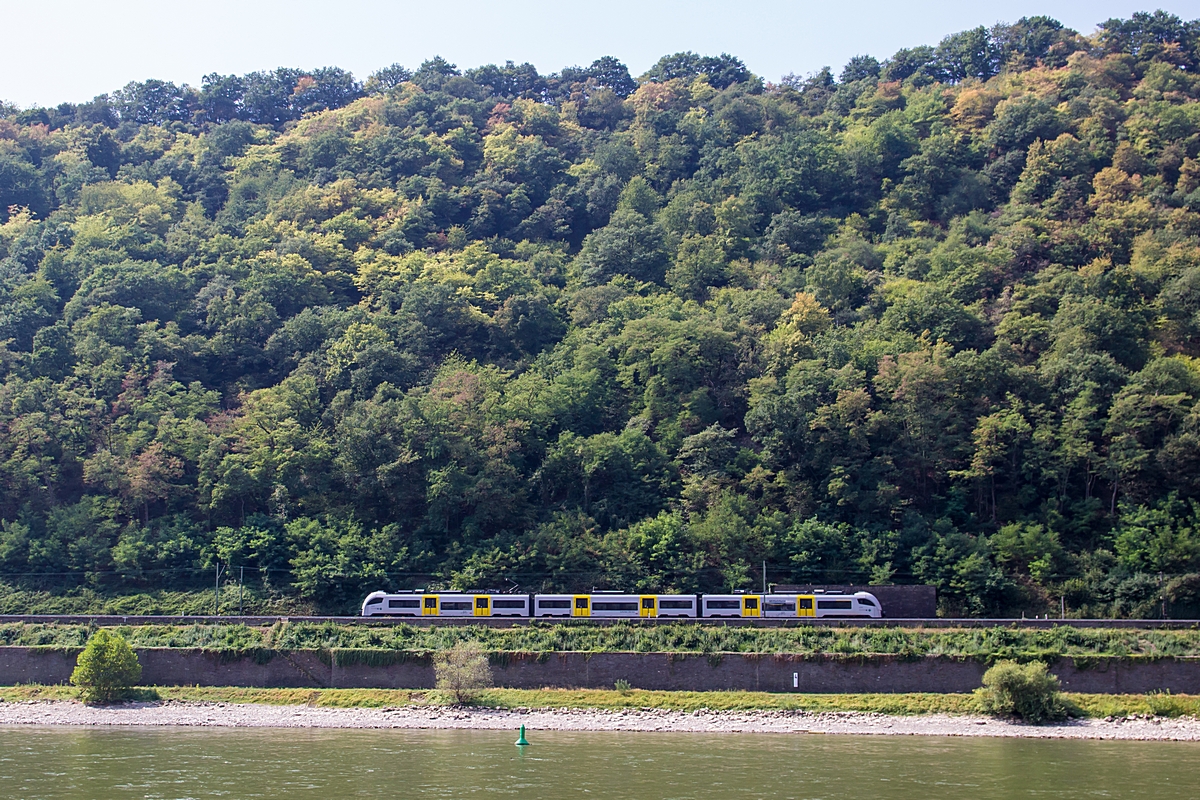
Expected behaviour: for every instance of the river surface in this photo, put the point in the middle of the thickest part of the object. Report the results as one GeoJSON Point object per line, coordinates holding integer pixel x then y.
{"type": "Point", "coordinates": [178, 763]}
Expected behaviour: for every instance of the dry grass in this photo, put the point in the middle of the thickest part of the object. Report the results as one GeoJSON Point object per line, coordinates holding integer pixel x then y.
{"type": "Point", "coordinates": [1088, 705]}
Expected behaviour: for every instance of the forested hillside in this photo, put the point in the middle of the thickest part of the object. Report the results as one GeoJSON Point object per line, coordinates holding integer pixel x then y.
{"type": "Point", "coordinates": [933, 319]}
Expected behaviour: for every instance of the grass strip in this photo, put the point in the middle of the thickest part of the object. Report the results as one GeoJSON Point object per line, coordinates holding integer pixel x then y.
{"type": "Point", "coordinates": [1085, 705]}
{"type": "Point", "coordinates": [632, 637]}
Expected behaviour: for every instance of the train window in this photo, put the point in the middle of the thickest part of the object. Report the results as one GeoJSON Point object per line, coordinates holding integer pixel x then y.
{"type": "Point", "coordinates": [581, 602]}
{"type": "Point", "coordinates": [647, 602]}
{"type": "Point", "coordinates": [751, 602]}
{"type": "Point", "coordinates": [834, 604]}
{"type": "Point", "coordinates": [554, 604]}
{"type": "Point", "coordinates": [431, 602]}
{"type": "Point", "coordinates": [403, 604]}
{"type": "Point", "coordinates": [456, 606]}
{"type": "Point", "coordinates": [722, 604]}
{"type": "Point", "coordinates": [602, 606]}
{"type": "Point", "coordinates": [514, 604]}
{"type": "Point", "coordinates": [805, 602]}
{"type": "Point", "coordinates": [374, 601]}
{"type": "Point", "coordinates": [481, 602]}
{"type": "Point", "coordinates": [862, 601]}
{"type": "Point", "coordinates": [779, 606]}
{"type": "Point", "coordinates": [665, 604]}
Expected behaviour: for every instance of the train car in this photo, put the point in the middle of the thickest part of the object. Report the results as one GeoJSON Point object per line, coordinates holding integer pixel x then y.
{"type": "Point", "coordinates": [609, 605]}
{"type": "Point", "coordinates": [620, 605]}
{"type": "Point", "coordinates": [731, 605]}
{"type": "Point", "coordinates": [445, 604]}
{"type": "Point", "coordinates": [857, 605]}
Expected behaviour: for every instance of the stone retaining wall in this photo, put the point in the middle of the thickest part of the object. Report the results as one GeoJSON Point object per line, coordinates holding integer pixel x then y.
{"type": "Point", "coordinates": [770, 673]}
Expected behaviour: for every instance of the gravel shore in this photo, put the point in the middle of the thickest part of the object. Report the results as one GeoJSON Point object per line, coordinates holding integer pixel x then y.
{"type": "Point", "coordinates": [71, 713]}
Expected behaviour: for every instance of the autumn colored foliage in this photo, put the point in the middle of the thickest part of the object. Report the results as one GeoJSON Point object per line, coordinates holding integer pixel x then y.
{"type": "Point", "coordinates": [935, 319]}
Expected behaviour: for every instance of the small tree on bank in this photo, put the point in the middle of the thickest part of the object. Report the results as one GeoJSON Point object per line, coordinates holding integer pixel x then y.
{"type": "Point", "coordinates": [107, 668]}
{"type": "Point", "coordinates": [1027, 691]}
{"type": "Point", "coordinates": [463, 670]}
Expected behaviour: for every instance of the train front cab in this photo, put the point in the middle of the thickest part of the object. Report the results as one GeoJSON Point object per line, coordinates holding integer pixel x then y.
{"type": "Point", "coordinates": [373, 604]}
{"type": "Point", "coordinates": [859, 605]}
{"type": "Point", "coordinates": [391, 605]}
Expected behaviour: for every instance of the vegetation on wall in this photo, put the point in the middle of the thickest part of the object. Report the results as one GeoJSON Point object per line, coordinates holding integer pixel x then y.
{"type": "Point", "coordinates": [932, 320]}
{"type": "Point", "coordinates": [1090, 647]}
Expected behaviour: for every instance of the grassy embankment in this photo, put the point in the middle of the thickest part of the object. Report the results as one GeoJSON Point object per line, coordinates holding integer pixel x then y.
{"type": "Point", "coordinates": [978, 643]}
{"type": "Point", "coordinates": [1084, 705]}
{"type": "Point", "coordinates": [194, 602]}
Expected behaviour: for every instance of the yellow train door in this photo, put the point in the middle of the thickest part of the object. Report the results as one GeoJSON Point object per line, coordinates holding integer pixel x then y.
{"type": "Point", "coordinates": [483, 605]}
{"type": "Point", "coordinates": [750, 607]}
{"type": "Point", "coordinates": [582, 607]}
{"type": "Point", "coordinates": [648, 606]}
{"type": "Point", "coordinates": [804, 607]}
{"type": "Point", "coordinates": [429, 605]}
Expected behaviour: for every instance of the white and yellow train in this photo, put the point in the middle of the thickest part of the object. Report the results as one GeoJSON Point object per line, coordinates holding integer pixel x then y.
{"type": "Point", "coordinates": [608, 605]}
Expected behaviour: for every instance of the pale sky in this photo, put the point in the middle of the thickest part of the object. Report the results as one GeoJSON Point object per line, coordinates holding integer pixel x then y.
{"type": "Point", "coordinates": [72, 50]}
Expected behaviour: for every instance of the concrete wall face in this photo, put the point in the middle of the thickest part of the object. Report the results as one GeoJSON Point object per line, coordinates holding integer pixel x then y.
{"type": "Point", "coordinates": [768, 673]}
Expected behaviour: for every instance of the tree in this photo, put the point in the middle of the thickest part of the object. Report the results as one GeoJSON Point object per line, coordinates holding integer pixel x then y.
{"type": "Point", "coordinates": [916, 320]}
{"type": "Point", "coordinates": [969, 54]}
{"type": "Point", "coordinates": [107, 668]}
{"type": "Point", "coordinates": [720, 71]}
{"type": "Point", "coordinates": [388, 78]}
{"type": "Point", "coordinates": [860, 68]}
{"type": "Point", "coordinates": [463, 670]}
{"type": "Point", "coordinates": [1148, 35]}
{"type": "Point", "coordinates": [1028, 692]}
{"type": "Point", "coordinates": [629, 245]}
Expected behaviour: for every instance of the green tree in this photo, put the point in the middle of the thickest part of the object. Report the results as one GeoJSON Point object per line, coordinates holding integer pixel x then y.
{"type": "Point", "coordinates": [1028, 692]}
{"type": "Point", "coordinates": [107, 668]}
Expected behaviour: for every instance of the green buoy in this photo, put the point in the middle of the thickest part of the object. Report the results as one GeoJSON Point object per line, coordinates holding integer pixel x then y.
{"type": "Point", "coordinates": [521, 740]}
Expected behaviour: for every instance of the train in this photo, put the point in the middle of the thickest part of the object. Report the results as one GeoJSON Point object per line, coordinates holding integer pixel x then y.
{"type": "Point", "coordinates": [620, 605]}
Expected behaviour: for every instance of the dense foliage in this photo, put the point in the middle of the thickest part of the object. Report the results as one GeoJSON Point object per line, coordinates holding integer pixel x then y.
{"type": "Point", "coordinates": [1025, 691]}
{"type": "Point", "coordinates": [934, 320]}
{"type": "Point", "coordinates": [107, 668]}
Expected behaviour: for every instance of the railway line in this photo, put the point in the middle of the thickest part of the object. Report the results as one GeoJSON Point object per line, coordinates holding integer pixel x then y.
{"type": "Point", "coordinates": [113, 620]}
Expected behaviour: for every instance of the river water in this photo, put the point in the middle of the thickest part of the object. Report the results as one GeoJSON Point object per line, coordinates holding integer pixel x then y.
{"type": "Point", "coordinates": [178, 763]}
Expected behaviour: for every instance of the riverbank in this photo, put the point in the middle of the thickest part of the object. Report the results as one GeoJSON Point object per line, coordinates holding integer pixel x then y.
{"type": "Point", "coordinates": [1089, 706]}
{"type": "Point", "coordinates": [543, 721]}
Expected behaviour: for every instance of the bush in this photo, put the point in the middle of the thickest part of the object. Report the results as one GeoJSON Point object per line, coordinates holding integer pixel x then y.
{"type": "Point", "coordinates": [463, 670]}
{"type": "Point", "coordinates": [107, 668]}
{"type": "Point", "coordinates": [1162, 704]}
{"type": "Point", "coordinates": [622, 686]}
{"type": "Point", "coordinates": [1027, 691]}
